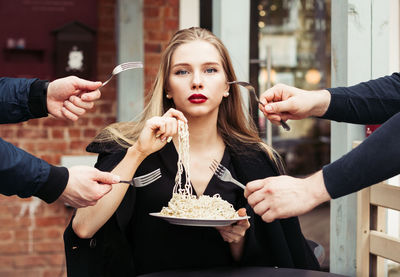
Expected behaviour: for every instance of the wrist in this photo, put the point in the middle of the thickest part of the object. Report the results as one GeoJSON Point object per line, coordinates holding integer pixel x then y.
{"type": "Point", "coordinates": [316, 188]}
{"type": "Point", "coordinates": [136, 152]}
{"type": "Point", "coordinates": [323, 98]}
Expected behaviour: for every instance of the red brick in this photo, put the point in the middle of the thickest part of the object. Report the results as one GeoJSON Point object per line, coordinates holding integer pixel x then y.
{"type": "Point", "coordinates": [5, 235]}
{"type": "Point", "coordinates": [151, 12]}
{"type": "Point", "coordinates": [57, 133]}
{"type": "Point", "coordinates": [6, 262]}
{"type": "Point", "coordinates": [52, 146]}
{"type": "Point", "coordinates": [30, 261]}
{"type": "Point", "coordinates": [55, 272]}
{"type": "Point", "coordinates": [74, 132]}
{"type": "Point", "coordinates": [48, 122]}
{"type": "Point", "coordinates": [90, 133]}
{"type": "Point", "coordinates": [155, 3]}
{"type": "Point", "coordinates": [156, 35]}
{"type": "Point", "coordinates": [7, 133]}
{"type": "Point", "coordinates": [22, 235]}
{"type": "Point", "coordinates": [33, 122]}
{"type": "Point", "coordinates": [48, 247]}
{"type": "Point", "coordinates": [14, 248]}
{"type": "Point", "coordinates": [152, 60]}
{"type": "Point", "coordinates": [28, 146]}
{"type": "Point", "coordinates": [48, 233]}
{"type": "Point", "coordinates": [32, 133]}
{"type": "Point", "coordinates": [98, 121]}
{"type": "Point", "coordinates": [173, 3]}
{"type": "Point", "coordinates": [78, 145]}
{"type": "Point", "coordinates": [21, 273]}
{"type": "Point", "coordinates": [153, 24]}
{"type": "Point", "coordinates": [152, 47]}
{"type": "Point", "coordinates": [6, 223]}
{"type": "Point", "coordinates": [106, 108]}
{"type": "Point", "coordinates": [49, 221]}
{"type": "Point", "coordinates": [171, 24]}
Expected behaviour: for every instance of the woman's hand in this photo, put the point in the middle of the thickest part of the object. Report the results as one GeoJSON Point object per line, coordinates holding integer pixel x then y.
{"type": "Point", "coordinates": [157, 130]}
{"type": "Point", "coordinates": [235, 233]}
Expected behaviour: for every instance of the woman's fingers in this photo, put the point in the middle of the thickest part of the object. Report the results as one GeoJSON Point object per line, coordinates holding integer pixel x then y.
{"type": "Point", "coordinates": [176, 114]}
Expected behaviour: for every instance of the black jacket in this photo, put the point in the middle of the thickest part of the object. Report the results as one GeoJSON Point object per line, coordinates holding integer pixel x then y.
{"type": "Point", "coordinates": [20, 172]}
{"type": "Point", "coordinates": [108, 253]}
{"type": "Point", "coordinates": [378, 157]}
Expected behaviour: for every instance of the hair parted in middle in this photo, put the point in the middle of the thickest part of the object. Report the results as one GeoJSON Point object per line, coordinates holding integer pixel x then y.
{"type": "Point", "coordinates": [235, 126]}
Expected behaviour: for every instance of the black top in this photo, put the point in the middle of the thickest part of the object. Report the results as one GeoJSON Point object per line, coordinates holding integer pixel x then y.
{"type": "Point", "coordinates": [158, 245]}
{"type": "Point", "coordinates": [139, 243]}
{"type": "Point", "coordinates": [378, 157]}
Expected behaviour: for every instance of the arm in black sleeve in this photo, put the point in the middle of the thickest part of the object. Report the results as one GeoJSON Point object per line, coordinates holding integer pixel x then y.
{"type": "Point", "coordinates": [374, 160]}
{"type": "Point", "coordinates": [25, 175]}
{"type": "Point", "coordinates": [20, 172]}
{"type": "Point", "coordinates": [22, 99]}
{"type": "Point", "coordinates": [371, 102]}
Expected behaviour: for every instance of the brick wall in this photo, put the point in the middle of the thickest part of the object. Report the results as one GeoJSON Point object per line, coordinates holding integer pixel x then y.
{"type": "Point", "coordinates": [161, 21]}
{"type": "Point", "coordinates": [30, 231]}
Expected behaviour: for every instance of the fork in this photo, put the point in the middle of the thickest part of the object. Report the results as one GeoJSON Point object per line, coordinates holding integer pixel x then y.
{"type": "Point", "coordinates": [123, 67]}
{"type": "Point", "coordinates": [251, 88]}
{"type": "Point", "coordinates": [144, 180]}
{"type": "Point", "coordinates": [224, 174]}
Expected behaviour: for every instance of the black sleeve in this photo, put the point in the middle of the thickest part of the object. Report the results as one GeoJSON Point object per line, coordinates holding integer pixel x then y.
{"type": "Point", "coordinates": [374, 160]}
{"type": "Point", "coordinates": [37, 100]}
{"type": "Point", "coordinates": [371, 102]}
{"type": "Point", "coordinates": [55, 184]}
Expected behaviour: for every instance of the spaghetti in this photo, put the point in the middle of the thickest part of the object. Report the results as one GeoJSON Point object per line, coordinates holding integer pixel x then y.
{"type": "Point", "coordinates": [183, 203]}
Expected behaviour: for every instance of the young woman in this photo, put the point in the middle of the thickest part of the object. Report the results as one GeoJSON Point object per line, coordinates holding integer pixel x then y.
{"type": "Point", "coordinates": [118, 237]}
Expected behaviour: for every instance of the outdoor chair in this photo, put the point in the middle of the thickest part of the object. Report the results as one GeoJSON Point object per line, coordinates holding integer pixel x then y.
{"type": "Point", "coordinates": [373, 244]}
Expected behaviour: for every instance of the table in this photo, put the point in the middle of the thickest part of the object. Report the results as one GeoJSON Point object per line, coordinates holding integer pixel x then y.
{"type": "Point", "coordinates": [243, 271]}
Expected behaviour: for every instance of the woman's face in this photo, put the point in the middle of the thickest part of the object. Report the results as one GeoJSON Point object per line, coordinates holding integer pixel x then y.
{"type": "Point", "coordinates": [197, 80]}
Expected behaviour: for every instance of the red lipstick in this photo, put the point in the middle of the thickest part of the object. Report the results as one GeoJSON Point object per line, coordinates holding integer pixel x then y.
{"type": "Point", "coordinates": [197, 98]}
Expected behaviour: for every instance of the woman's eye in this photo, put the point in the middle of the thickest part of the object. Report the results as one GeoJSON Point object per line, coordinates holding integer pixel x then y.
{"type": "Point", "coordinates": [211, 70]}
{"type": "Point", "coordinates": [181, 72]}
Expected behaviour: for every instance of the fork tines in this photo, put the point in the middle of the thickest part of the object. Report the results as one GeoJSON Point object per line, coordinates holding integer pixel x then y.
{"type": "Point", "coordinates": [128, 65]}
{"type": "Point", "coordinates": [147, 178]}
{"type": "Point", "coordinates": [216, 167]}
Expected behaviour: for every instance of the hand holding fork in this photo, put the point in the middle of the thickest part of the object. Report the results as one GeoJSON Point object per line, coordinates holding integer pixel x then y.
{"type": "Point", "coordinates": [251, 89]}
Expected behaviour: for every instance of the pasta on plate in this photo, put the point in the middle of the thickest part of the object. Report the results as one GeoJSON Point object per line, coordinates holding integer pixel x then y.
{"type": "Point", "coordinates": [183, 203]}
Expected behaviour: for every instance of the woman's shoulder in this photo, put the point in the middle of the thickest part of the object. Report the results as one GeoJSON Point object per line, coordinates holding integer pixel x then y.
{"type": "Point", "coordinates": [110, 154]}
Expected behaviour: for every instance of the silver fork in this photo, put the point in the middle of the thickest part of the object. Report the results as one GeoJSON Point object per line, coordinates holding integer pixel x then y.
{"type": "Point", "coordinates": [122, 67]}
{"type": "Point", "coordinates": [251, 88]}
{"type": "Point", "coordinates": [224, 174]}
{"type": "Point", "coordinates": [144, 180]}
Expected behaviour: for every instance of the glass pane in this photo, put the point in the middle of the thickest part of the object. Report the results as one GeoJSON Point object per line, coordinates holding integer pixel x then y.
{"type": "Point", "coordinates": [294, 37]}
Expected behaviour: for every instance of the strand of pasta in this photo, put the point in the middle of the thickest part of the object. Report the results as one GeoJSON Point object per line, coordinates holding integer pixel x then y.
{"type": "Point", "coordinates": [183, 161]}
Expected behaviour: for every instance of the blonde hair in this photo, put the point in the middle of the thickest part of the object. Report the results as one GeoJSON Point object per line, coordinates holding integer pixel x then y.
{"type": "Point", "coordinates": [234, 125]}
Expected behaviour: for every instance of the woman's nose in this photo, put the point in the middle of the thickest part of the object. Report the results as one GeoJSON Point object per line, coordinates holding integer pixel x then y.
{"type": "Point", "coordinates": [197, 82]}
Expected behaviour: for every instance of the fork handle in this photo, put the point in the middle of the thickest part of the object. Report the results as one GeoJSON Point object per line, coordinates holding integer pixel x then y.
{"type": "Point", "coordinates": [127, 182]}
{"type": "Point", "coordinates": [283, 123]}
{"type": "Point", "coordinates": [236, 182]}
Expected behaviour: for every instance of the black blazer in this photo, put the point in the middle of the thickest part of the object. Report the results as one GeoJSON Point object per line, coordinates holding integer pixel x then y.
{"type": "Point", "coordinates": [108, 253]}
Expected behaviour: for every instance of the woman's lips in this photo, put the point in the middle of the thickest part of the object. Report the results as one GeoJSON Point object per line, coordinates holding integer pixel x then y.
{"type": "Point", "coordinates": [197, 98]}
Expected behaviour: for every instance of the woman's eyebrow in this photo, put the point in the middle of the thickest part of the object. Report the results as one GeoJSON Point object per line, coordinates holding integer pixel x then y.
{"type": "Point", "coordinates": [204, 64]}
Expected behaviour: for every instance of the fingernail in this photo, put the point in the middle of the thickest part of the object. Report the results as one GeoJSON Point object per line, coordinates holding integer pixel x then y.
{"type": "Point", "coordinates": [169, 139]}
{"type": "Point", "coordinates": [116, 179]}
{"type": "Point", "coordinates": [157, 136]}
{"type": "Point", "coordinates": [268, 108]}
{"type": "Point", "coordinates": [163, 139]}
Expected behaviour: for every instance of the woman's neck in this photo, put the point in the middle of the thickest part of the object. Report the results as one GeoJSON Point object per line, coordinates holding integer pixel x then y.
{"type": "Point", "coordinates": [203, 133]}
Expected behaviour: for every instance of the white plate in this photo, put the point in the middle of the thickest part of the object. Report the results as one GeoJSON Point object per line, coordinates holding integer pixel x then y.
{"type": "Point", "coordinates": [198, 222]}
